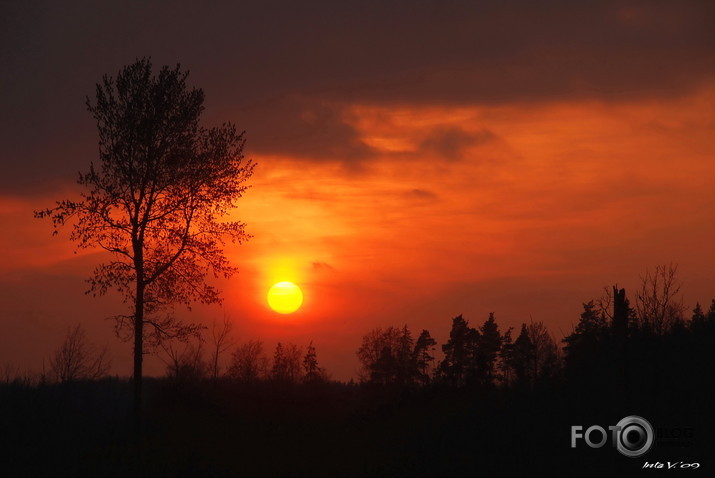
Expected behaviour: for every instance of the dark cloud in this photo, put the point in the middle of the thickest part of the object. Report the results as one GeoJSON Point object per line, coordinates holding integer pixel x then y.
{"type": "Point", "coordinates": [451, 142]}
{"type": "Point", "coordinates": [421, 194]}
{"type": "Point", "coordinates": [303, 127]}
{"type": "Point", "coordinates": [322, 266]}
{"type": "Point", "coordinates": [399, 52]}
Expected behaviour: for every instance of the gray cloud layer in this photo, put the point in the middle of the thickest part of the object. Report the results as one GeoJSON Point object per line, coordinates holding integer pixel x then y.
{"type": "Point", "coordinates": [269, 59]}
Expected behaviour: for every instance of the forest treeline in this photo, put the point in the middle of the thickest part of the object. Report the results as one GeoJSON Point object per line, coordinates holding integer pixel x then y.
{"type": "Point", "coordinates": [612, 341]}
{"type": "Point", "coordinates": [632, 347]}
{"type": "Point", "coordinates": [493, 393]}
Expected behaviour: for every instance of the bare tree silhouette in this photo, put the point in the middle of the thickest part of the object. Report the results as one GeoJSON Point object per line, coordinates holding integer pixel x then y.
{"type": "Point", "coordinates": [78, 359]}
{"type": "Point", "coordinates": [221, 342]}
{"type": "Point", "coordinates": [156, 201]}
{"type": "Point", "coordinates": [659, 306]}
{"type": "Point", "coordinates": [546, 352]}
{"type": "Point", "coordinates": [184, 359]}
{"type": "Point", "coordinates": [388, 356]}
{"type": "Point", "coordinates": [248, 363]}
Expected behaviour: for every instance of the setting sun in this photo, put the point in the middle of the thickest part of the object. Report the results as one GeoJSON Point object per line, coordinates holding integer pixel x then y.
{"type": "Point", "coordinates": [285, 297]}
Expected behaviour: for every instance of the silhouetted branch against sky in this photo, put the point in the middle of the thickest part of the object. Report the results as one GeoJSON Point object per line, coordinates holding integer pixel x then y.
{"type": "Point", "coordinates": [158, 200]}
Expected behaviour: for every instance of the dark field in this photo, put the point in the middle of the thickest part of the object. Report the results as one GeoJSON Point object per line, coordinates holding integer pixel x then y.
{"type": "Point", "coordinates": [273, 430]}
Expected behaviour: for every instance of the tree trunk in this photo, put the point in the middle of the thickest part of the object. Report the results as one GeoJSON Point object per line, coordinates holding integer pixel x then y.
{"type": "Point", "coordinates": [138, 330]}
{"type": "Point", "coordinates": [138, 352]}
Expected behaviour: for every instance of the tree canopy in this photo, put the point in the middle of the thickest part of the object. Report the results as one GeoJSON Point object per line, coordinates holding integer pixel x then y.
{"type": "Point", "coordinates": [157, 200]}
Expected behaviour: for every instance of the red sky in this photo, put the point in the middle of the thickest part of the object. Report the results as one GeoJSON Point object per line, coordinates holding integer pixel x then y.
{"type": "Point", "coordinates": [416, 161]}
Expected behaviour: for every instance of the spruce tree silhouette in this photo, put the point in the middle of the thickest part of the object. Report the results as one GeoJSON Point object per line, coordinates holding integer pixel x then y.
{"type": "Point", "coordinates": [312, 372]}
{"type": "Point", "coordinates": [488, 347]}
{"type": "Point", "coordinates": [459, 353]}
{"type": "Point", "coordinates": [424, 356]}
{"type": "Point", "coordinates": [521, 358]}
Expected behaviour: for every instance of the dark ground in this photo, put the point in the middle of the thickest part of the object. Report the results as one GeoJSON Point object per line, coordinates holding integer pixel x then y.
{"type": "Point", "coordinates": [221, 429]}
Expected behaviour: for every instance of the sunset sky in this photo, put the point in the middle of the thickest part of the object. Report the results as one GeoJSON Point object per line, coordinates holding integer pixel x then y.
{"type": "Point", "coordinates": [416, 159]}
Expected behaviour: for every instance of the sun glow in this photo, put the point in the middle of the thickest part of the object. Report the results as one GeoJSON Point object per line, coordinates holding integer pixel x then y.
{"type": "Point", "coordinates": [285, 297]}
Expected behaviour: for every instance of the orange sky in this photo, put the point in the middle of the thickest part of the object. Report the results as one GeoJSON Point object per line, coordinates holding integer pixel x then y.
{"type": "Point", "coordinates": [409, 208]}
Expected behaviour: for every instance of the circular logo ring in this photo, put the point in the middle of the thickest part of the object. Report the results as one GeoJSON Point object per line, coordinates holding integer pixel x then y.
{"type": "Point", "coordinates": [630, 426]}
